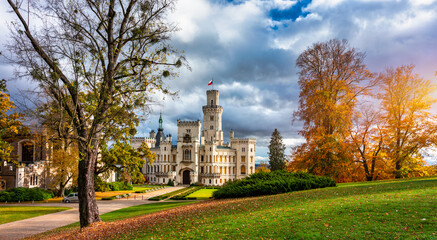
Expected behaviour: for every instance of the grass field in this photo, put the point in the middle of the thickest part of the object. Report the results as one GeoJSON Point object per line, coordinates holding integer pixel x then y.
{"type": "Point", "coordinates": [124, 213]}
{"type": "Point", "coordinates": [403, 209]}
{"type": "Point", "coordinates": [15, 213]}
{"type": "Point", "coordinates": [202, 194]}
{"type": "Point", "coordinates": [380, 210]}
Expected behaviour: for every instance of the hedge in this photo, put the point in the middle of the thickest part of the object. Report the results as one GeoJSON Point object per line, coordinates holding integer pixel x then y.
{"type": "Point", "coordinates": [25, 194]}
{"type": "Point", "coordinates": [269, 183]}
{"type": "Point", "coordinates": [101, 186]}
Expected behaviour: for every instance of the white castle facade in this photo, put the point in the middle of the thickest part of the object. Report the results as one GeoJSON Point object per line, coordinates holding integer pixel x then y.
{"type": "Point", "coordinates": [200, 155]}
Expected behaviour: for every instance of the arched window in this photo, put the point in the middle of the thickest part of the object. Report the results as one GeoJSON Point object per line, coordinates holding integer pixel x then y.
{"type": "Point", "coordinates": [243, 169]}
{"type": "Point", "coordinates": [187, 154]}
{"type": "Point", "coordinates": [27, 151]}
{"type": "Point", "coordinates": [2, 184]}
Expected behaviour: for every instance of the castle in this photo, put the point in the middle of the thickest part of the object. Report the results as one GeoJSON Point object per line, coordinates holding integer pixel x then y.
{"type": "Point", "coordinates": [200, 155]}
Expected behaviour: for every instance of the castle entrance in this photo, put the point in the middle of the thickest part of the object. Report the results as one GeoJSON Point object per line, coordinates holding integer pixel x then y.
{"type": "Point", "coordinates": [186, 177]}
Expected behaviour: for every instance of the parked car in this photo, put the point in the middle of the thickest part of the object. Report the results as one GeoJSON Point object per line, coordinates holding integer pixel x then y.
{"type": "Point", "coordinates": [72, 197]}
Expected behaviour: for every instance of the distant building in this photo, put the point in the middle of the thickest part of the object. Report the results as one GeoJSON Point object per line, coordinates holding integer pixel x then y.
{"type": "Point", "coordinates": [200, 155]}
{"type": "Point", "coordinates": [31, 154]}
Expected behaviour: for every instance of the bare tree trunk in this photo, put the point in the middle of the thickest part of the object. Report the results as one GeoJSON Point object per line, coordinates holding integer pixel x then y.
{"type": "Point", "coordinates": [88, 209]}
{"type": "Point", "coordinates": [397, 169]}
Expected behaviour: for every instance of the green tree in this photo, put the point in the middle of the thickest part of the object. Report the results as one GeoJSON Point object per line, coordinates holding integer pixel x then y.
{"type": "Point", "coordinates": [122, 158]}
{"type": "Point", "coordinates": [332, 75]}
{"type": "Point", "coordinates": [99, 61]}
{"type": "Point", "coordinates": [276, 152]}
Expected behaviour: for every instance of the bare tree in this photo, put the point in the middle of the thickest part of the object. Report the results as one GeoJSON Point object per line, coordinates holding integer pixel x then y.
{"type": "Point", "coordinates": [367, 139]}
{"type": "Point", "coordinates": [98, 61]}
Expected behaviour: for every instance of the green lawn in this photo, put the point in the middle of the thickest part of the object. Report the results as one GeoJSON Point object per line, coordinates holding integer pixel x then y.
{"type": "Point", "coordinates": [15, 213]}
{"type": "Point", "coordinates": [202, 194]}
{"type": "Point", "coordinates": [380, 210]}
{"type": "Point", "coordinates": [140, 210]}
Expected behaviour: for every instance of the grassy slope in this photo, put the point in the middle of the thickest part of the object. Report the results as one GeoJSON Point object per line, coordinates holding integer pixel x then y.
{"type": "Point", "coordinates": [15, 213]}
{"type": "Point", "coordinates": [379, 210]}
{"type": "Point", "coordinates": [202, 194]}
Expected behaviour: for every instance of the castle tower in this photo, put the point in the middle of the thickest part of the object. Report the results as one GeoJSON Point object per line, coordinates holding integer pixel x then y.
{"type": "Point", "coordinates": [212, 119]}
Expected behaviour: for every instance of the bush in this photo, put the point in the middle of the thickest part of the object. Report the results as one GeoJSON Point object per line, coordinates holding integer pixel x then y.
{"type": "Point", "coordinates": [170, 183]}
{"type": "Point", "coordinates": [109, 198]}
{"type": "Point", "coordinates": [25, 194]}
{"type": "Point", "coordinates": [269, 183]}
{"type": "Point", "coordinates": [101, 186]}
{"type": "Point", "coordinates": [119, 186]}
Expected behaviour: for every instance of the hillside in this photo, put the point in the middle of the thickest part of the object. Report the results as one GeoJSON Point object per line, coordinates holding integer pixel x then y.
{"type": "Point", "coordinates": [403, 209]}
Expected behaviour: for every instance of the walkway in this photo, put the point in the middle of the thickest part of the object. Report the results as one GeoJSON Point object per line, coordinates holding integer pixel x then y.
{"type": "Point", "coordinates": [31, 226]}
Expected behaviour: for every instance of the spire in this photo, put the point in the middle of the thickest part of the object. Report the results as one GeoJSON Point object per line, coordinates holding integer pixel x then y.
{"type": "Point", "coordinates": [160, 121]}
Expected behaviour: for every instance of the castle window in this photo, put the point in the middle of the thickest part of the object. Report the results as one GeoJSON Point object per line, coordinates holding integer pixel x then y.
{"type": "Point", "coordinates": [211, 127]}
{"type": "Point", "coordinates": [251, 150]}
{"type": "Point", "coordinates": [2, 185]}
{"type": "Point", "coordinates": [165, 148]}
{"type": "Point", "coordinates": [27, 151]}
{"type": "Point", "coordinates": [188, 130]}
{"type": "Point", "coordinates": [209, 181]}
{"type": "Point", "coordinates": [201, 169]}
{"type": "Point", "coordinates": [187, 138]}
{"type": "Point", "coordinates": [212, 102]}
{"type": "Point", "coordinates": [211, 118]}
{"type": "Point", "coordinates": [210, 148]}
{"type": "Point", "coordinates": [243, 149]}
{"type": "Point", "coordinates": [201, 158]}
{"type": "Point", "coordinates": [243, 169]}
{"type": "Point", "coordinates": [243, 158]}
{"type": "Point", "coordinates": [33, 180]}
{"type": "Point", "coordinates": [187, 154]}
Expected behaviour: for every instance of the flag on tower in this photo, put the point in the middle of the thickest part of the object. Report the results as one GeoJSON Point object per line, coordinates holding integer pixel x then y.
{"type": "Point", "coordinates": [210, 82]}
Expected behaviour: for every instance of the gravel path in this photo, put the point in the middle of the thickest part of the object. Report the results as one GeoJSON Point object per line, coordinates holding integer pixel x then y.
{"type": "Point", "coordinates": [31, 226]}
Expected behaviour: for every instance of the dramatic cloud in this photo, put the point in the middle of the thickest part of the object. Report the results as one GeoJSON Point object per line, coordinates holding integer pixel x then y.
{"type": "Point", "coordinates": [249, 48]}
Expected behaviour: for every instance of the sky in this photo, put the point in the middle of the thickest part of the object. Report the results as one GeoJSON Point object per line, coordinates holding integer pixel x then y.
{"type": "Point", "coordinates": [250, 49]}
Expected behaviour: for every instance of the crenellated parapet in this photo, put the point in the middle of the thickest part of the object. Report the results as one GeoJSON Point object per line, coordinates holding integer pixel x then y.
{"type": "Point", "coordinates": [189, 123]}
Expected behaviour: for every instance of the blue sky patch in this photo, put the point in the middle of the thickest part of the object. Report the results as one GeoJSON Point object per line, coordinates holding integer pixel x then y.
{"type": "Point", "coordinates": [292, 13]}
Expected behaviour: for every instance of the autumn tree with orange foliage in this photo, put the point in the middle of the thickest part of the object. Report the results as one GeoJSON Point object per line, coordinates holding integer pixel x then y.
{"type": "Point", "coordinates": [10, 123]}
{"type": "Point", "coordinates": [332, 75]}
{"type": "Point", "coordinates": [409, 125]}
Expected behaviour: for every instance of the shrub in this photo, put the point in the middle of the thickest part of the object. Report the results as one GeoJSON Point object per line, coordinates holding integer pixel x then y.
{"type": "Point", "coordinates": [101, 186]}
{"type": "Point", "coordinates": [269, 183]}
{"type": "Point", "coordinates": [109, 198]}
{"type": "Point", "coordinates": [25, 194]}
{"type": "Point", "coordinates": [170, 183]}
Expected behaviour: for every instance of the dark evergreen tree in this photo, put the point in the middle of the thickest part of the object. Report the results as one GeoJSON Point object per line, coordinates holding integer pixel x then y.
{"type": "Point", "coordinates": [276, 152]}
